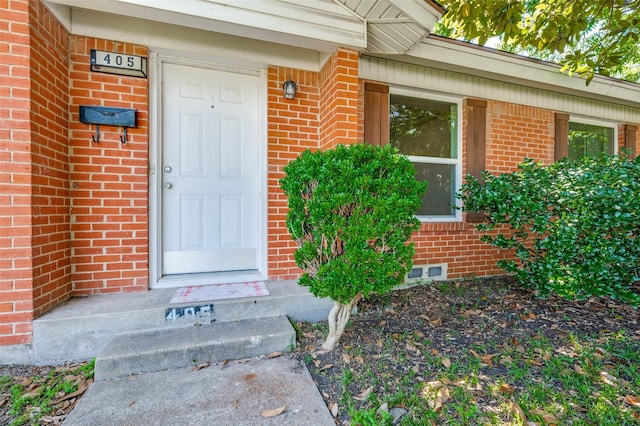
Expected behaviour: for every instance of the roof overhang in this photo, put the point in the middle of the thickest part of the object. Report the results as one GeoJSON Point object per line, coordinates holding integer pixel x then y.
{"type": "Point", "coordinates": [320, 25]}
{"type": "Point", "coordinates": [394, 29]}
{"type": "Point", "coordinates": [378, 26]}
{"type": "Point", "coordinates": [395, 26]}
{"type": "Point", "coordinates": [467, 58]}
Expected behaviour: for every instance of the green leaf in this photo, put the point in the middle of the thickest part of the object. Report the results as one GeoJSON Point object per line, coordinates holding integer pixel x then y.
{"type": "Point", "coordinates": [572, 224]}
{"type": "Point", "coordinates": [544, 29]}
{"type": "Point", "coordinates": [352, 210]}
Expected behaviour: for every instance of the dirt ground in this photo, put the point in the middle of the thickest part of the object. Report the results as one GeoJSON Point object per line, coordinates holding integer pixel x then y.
{"type": "Point", "coordinates": [424, 327]}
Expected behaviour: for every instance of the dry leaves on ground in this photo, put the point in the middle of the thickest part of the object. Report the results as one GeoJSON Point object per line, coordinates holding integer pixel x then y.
{"type": "Point", "coordinates": [426, 334]}
{"type": "Point", "coordinates": [35, 383]}
{"type": "Point", "coordinates": [273, 412]}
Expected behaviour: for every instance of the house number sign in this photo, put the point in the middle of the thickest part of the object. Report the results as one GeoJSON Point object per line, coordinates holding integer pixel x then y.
{"type": "Point", "coordinates": [118, 63]}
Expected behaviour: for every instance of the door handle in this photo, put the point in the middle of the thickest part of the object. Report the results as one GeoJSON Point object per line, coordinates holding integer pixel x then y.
{"type": "Point", "coordinates": [168, 185]}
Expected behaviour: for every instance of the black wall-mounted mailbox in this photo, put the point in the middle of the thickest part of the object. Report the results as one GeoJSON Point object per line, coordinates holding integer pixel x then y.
{"type": "Point", "coordinates": [121, 117]}
{"type": "Point", "coordinates": [97, 115]}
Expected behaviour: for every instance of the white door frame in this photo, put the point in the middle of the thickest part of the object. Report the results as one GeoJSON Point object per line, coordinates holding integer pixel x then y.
{"type": "Point", "coordinates": [156, 280]}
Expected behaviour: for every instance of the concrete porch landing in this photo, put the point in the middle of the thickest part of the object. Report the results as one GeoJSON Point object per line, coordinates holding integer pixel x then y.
{"type": "Point", "coordinates": [81, 328]}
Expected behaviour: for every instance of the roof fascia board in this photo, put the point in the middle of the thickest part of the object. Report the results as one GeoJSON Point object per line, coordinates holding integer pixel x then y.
{"type": "Point", "coordinates": [262, 20]}
{"type": "Point", "coordinates": [447, 82]}
{"type": "Point", "coordinates": [420, 11]}
{"type": "Point", "coordinates": [438, 52]}
{"type": "Point", "coordinates": [207, 46]}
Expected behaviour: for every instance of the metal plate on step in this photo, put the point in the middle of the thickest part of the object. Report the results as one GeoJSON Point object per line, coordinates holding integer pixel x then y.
{"type": "Point", "coordinates": [199, 313]}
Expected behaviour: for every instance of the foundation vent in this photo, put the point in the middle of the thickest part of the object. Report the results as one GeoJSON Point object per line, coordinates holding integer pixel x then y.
{"type": "Point", "coordinates": [421, 274]}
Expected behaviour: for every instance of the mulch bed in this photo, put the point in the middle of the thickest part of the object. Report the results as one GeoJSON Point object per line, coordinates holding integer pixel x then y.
{"type": "Point", "coordinates": [409, 329]}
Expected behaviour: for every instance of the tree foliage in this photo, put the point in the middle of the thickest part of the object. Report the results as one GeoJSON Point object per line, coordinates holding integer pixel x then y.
{"type": "Point", "coordinates": [573, 226]}
{"type": "Point", "coordinates": [351, 211]}
{"type": "Point", "coordinates": [587, 37]}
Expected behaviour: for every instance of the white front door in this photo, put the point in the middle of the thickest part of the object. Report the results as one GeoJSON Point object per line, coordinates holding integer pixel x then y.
{"type": "Point", "coordinates": [210, 170]}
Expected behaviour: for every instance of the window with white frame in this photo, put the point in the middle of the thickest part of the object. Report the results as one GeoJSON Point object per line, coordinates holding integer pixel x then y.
{"type": "Point", "coordinates": [426, 129]}
{"type": "Point", "coordinates": [589, 138]}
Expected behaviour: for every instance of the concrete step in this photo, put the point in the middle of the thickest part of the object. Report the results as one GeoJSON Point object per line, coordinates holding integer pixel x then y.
{"type": "Point", "coordinates": [81, 328]}
{"type": "Point", "coordinates": [162, 349]}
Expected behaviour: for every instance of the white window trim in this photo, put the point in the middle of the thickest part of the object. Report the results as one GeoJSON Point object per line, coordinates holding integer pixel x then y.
{"type": "Point", "coordinates": [598, 122]}
{"type": "Point", "coordinates": [417, 93]}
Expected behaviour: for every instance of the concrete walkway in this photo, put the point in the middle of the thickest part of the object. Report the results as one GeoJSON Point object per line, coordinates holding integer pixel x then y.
{"type": "Point", "coordinates": [232, 394]}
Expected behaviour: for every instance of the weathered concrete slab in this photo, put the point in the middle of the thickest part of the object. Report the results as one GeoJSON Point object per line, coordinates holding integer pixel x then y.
{"type": "Point", "coordinates": [232, 394]}
{"type": "Point", "coordinates": [81, 328]}
{"type": "Point", "coordinates": [156, 350]}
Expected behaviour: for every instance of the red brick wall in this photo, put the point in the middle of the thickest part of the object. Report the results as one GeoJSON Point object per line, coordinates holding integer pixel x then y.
{"type": "Point", "coordinates": [621, 138]}
{"type": "Point", "coordinates": [16, 271]}
{"type": "Point", "coordinates": [109, 179]}
{"type": "Point", "coordinates": [293, 126]}
{"type": "Point", "coordinates": [50, 159]}
{"type": "Point", "coordinates": [34, 200]}
{"type": "Point", "coordinates": [622, 142]}
{"type": "Point", "coordinates": [324, 113]}
{"type": "Point", "coordinates": [339, 100]}
{"type": "Point", "coordinates": [514, 132]}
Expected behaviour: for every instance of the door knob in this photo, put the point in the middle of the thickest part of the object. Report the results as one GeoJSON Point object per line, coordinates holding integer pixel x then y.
{"type": "Point", "coordinates": [168, 185]}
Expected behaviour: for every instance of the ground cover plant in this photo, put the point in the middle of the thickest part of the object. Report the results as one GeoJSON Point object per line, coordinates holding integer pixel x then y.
{"type": "Point", "coordinates": [41, 395]}
{"type": "Point", "coordinates": [351, 211]}
{"type": "Point", "coordinates": [479, 352]}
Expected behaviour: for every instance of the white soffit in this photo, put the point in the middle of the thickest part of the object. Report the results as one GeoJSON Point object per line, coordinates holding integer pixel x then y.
{"type": "Point", "coordinates": [198, 45]}
{"type": "Point", "coordinates": [465, 58]}
{"type": "Point", "coordinates": [377, 26]}
{"type": "Point", "coordinates": [321, 25]}
{"type": "Point", "coordinates": [395, 26]}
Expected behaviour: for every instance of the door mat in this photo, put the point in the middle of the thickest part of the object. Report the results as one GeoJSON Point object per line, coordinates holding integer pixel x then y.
{"type": "Point", "coordinates": [202, 293]}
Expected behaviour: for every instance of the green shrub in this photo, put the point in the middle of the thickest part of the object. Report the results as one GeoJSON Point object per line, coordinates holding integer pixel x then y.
{"type": "Point", "coordinates": [573, 225]}
{"type": "Point", "coordinates": [351, 211]}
